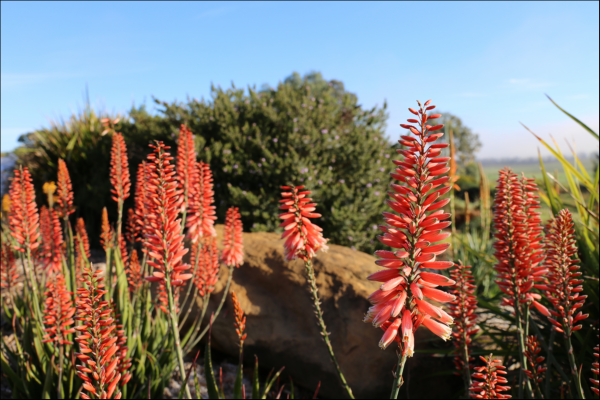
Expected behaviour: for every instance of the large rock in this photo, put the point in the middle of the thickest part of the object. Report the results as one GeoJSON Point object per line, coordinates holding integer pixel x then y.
{"type": "Point", "coordinates": [282, 329]}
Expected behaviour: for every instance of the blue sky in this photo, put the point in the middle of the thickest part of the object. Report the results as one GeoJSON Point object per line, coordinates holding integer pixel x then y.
{"type": "Point", "coordinates": [488, 63]}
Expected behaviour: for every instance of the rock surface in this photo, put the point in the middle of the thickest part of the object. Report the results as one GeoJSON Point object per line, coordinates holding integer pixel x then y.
{"type": "Point", "coordinates": [282, 329]}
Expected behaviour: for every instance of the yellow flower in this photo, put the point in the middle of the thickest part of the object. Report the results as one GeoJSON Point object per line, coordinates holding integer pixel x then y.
{"type": "Point", "coordinates": [6, 203]}
{"type": "Point", "coordinates": [49, 188]}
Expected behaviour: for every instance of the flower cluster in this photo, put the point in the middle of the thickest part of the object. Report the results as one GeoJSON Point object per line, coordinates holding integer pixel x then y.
{"type": "Point", "coordinates": [487, 387]}
{"type": "Point", "coordinates": [8, 272]}
{"type": "Point", "coordinates": [462, 309]}
{"type": "Point", "coordinates": [564, 286]}
{"type": "Point", "coordinates": [106, 237]}
{"type": "Point", "coordinates": [240, 319]}
{"type": "Point", "coordinates": [58, 311]}
{"type": "Point", "coordinates": [134, 272]}
{"type": "Point", "coordinates": [534, 359]}
{"type": "Point", "coordinates": [51, 250]}
{"type": "Point", "coordinates": [201, 213]}
{"type": "Point", "coordinates": [82, 244]}
{"type": "Point", "coordinates": [24, 217]}
{"type": "Point", "coordinates": [518, 248]}
{"type": "Point", "coordinates": [207, 273]}
{"type": "Point", "coordinates": [119, 169]}
{"type": "Point", "coordinates": [141, 200]}
{"type": "Point", "coordinates": [233, 242]}
{"type": "Point", "coordinates": [595, 367]}
{"type": "Point", "coordinates": [413, 232]}
{"type": "Point", "coordinates": [303, 238]}
{"type": "Point", "coordinates": [64, 200]}
{"type": "Point", "coordinates": [186, 163]}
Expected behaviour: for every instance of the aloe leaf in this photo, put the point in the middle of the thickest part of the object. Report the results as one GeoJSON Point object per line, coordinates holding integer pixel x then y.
{"type": "Point", "coordinates": [237, 386]}
{"type": "Point", "coordinates": [211, 383]}
{"type": "Point", "coordinates": [270, 383]}
{"type": "Point", "coordinates": [255, 381]}
{"type": "Point", "coordinates": [197, 384]}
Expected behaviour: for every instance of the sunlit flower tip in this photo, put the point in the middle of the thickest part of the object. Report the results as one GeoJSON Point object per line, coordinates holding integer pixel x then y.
{"type": "Point", "coordinates": [201, 211]}
{"type": "Point", "coordinates": [24, 217]}
{"type": "Point", "coordinates": [541, 308]}
{"type": "Point", "coordinates": [303, 238]}
{"type": "Point", "coordinates": [407, 325]}
{"type": "Point", "coordinates": [416, 290]}
{"type": "Point", "coordinates": [398, 304]}
{"type": "Point", "coordinates": [437, 328]}
{"type": "Point", "coordinates": [383, 315]}
{"type": "Point", "coordinates": [119, 169]}
{"type": "Point", "coordinates": [233, 242]}
{"type": "Point", "coordinates": [437, 295]}
{"type": "Point", "coordinates": [390, 334]}
{"type": "Point", "coordinates": [64, 193]}
{"type": "Point", "coordinates": [436, 279]}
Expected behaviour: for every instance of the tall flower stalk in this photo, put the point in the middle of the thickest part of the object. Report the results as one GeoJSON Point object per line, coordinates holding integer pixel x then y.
{"type": "Point", "coordinates": [564, 284]}
{"type": "Point", "coordinates": [302, 240]}
{"type": "Point", "coordinates": [82, 246]}
{"type": "Point", "coordinates": [9, 275]}
{"type": "Point", "coordinates": [51, 249]}
{"type": "Point", "coordinates": [186, 166]}
{"type": "Point", "coordinates": [119, 176]}
{"type": "Point", "coordinates": [519, 251]}
{"type": "Point", "coordinates": [534, 359]}
{"type": "Point", "coordinates": [64, 208]}
{"type": "Point", "coordinates": [462, 309]}
{"type": "Point", "coordinates": [165, 242]}
{"type": "Point", "coordinates": [201, 215]}
{"type": "Point", "coordinates": [399, 306]}
{"type": "Point", "coordinates": [488, 377]}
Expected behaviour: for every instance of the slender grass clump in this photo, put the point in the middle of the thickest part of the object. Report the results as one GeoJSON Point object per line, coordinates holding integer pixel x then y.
{"type": "Point", "coordinates": [488, 378]}
{"type": "Point", "coordinates": [233, 242]}
{"type": "Point", "coordinates": [413, 232]}
{"type": "Point", "coordinates": [462, 309]}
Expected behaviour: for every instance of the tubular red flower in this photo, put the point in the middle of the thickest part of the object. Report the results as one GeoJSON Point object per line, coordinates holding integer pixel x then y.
{"type": "Point", "coordinates": [536, 370]}
{"type": "Point", "coordinates": [122, 362]}
{"type": "Point", "coordinates": [201, 213]}
{"type": "Point", "coordinates": [130, 226]}
{"type": "Point", "coordinates": [58, 311]}
{"type": "Point", "coordinates": [240, 319]}
{"type": "Point", "coordinates": [51, 252]}
{"type": "Point", "coordinates": [462, 309]}
{"type": "Point", "coordinates": [564, 284]}
{"type": "Point", "coordinates": [8, 274]}
{"type": "Point", "coordinates": [486, 386]}
{"type": "Point", "coordinates": [64, 191]}
{"type": "Point", "coordinates": [303, 238]}
{"type": "Point", "coordinates": [23, 218]}
{"type": "Point", "coordinates": [233, 242]}
{"type": "Point", "coordinates": [106, 237]}
{"type": "Point", "coordinates": [186, 164]}
{"type": "Point", "coordinates": [134, 272]}
{"type": "Point", "coordinates": [142, 202]}
{"type": "Point", "coordinates": [165, 246]}
{"type": "Point", "coordinates": [595, 367]}
{"type": "Point", "coordinates": [119, 169]}
{"type": "Point", "coordinates": [519, 247]}
{"type": "Point", "coordinates": [96, 338]}
{"type": "Point", "coordinates": [208, 266]}
{"type": "Point", "coordinates": [414, 230]}
{"type": "Point", "coordinates": [81, 241]}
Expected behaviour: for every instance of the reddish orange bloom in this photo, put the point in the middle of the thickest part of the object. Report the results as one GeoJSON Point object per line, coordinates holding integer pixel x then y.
{"type": "Point", "coordinates": [201, 215]}
{"type": "Point", "coordinates": [8, 273]}
{"type": "Point", "coordinates": [595, 367]}
{"type": "Point", "coordinates": [64, 191]}
{"type": "Point", "coordinates": [124, 363]}
{"type": "Point", "coordinates": [536, 370]}
{"type": "Point", "coordinates": [52, 240]}
{"type": "Point", "coordinates": [186, 163]}
{"type": "Point", "coordinates": [123, 250]}
{"type": "Point", "coordinates": [96, 338]}
{"type": "Point", "coordinates": [142, 201]}
{"type": "Point", "coordinates": [106, 237]}
{"type": "Point", "coordinates": [564, 286]}
{"type": "Point", "coordinates": [165, 244]}
{"type": "Point", "coordinates": [489, 376]}
{"type": "Point", "coordinates": [233, 242]}
{"type": "Point", "coordinates": [134, 272]}
{"type": "Point", "coordinates": [130, 226]}
{"type": "Point", "coordinates": [462, 309]}
{"type": "Point", "coordinates": [240, 319]}
{"type": "Point", "coordinates": [23, 218]}
{"type": "Point", "coordinates": [519, 248]}
{"type": "Point", "coordinates": [59, 311]}
{"type": "Point", "coordinates": [208, 266]}
{"type": "Point", "coordinates": [413, 231]}
{"type": "Point", "coordinates": [303, 238]}
{"type": "Point", "coordinates": [119, 169]}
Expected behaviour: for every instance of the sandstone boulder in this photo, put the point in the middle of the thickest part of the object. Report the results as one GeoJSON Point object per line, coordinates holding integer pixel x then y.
{"type": "Point", "coordinates": [282, 329]}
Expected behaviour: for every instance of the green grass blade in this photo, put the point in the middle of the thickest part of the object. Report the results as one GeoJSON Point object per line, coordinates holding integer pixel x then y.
{"type": "Point", "coordinates": [584, 126]}
{"type": "Point", "coordinates": [270, 383]}
{"type": "Point", "coordinates": [237, 386]}
{"type": "Point", "coordinates": [255, 380]}
{"type": "Point", "coordinates": [211, 382]}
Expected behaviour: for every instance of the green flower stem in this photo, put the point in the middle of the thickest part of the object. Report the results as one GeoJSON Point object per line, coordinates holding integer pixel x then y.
{"type": "Point", "coordinates": [175, 331]}
{"type": "Point", "coordinates": [522, 358]}
{"type": "Point", "coordinates": [317, 303]}
{"type": "Point", "coordinates": [398, 381]}
{"type": "Point", "coordinates": [573, 365]}
{"type": "Point", "coordinates": [466, 370]}
{"type": "Point", "coordinates": [195, 328]}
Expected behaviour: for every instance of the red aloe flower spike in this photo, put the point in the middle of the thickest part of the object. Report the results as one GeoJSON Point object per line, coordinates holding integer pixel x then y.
{"type": "Point", "coordinates": [208, 266]}
{"type": "Point", "coordinates": [96, 340]}
{"type": "Point", "coordinates": [536, 372]}
{"type": "Point", "coordinates": [134, 272]}
{"type": "Point", "coordinates": [564, 286]}
{"type": "Point", "coordinates": [303, 238]}
{"type": "Point", "coordinates": [8, 274]}
{"type": "Point", "coordinates": [123, 363]}
{"type": "Point", "coordinates": [119, 169]}
{"type": "Point", "coordinates": [106, 237]}
{"type": "Point", "coordinates": [82, 247]}
{"type": "Point", "coordinates": [186, 164]}
{"type": "Point", "coordinates": [233, 242]}
{"type": "Point", "coordinates": [413, 229]}
{"type": "Point", "coordinates": [24, 218]}
{"type": "Point", "coordinates": [64, 191]}
{"type": "Point", "coordinates": [130, 226]}
{"type": "Point", "coordinates": [142, 201]}
{"type": "Point", "coordinates": [51, 252]}
{"type": "Point", "coordinates": [166, 247]}
{"type": "Point", "coordinates": [488, 378]}
{"type": "Point", "coordinates": [201, 216]}
{"type": "Point", "coordinates": [123, 249]}
{"type": "Point", "coordinates": [58, 311]}
{"type": "Point", "coordinates": [240, 319]}
{"type": "Point", "coordinates": [462, 309]}
{"type": "Point", "coordinates": [595, 367]}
